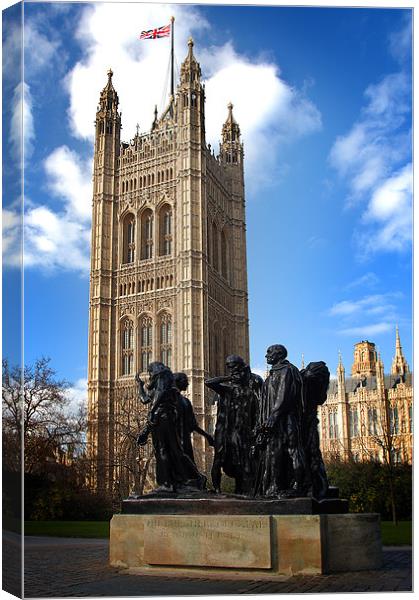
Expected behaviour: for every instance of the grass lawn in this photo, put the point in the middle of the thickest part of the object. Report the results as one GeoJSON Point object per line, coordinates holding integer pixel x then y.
{"type": "Point", "coordinates": [87, 529]}
{"type": "Point", "coordinates": [398, 535]}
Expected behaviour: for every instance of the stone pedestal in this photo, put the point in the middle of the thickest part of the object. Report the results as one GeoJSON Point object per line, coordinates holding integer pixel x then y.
{"type": "Point", "coordinates": [247, 545]}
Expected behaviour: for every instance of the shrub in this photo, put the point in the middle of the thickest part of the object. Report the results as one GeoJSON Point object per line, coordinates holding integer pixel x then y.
{"type": "Point", "coordinates": [366, 486]}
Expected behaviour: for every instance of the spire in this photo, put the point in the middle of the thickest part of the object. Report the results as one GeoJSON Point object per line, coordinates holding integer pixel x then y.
{"type": "Point", "coordinates": [341, 375]}
{"type": "Point", "coordinates": [399, 365]}
{"type": "Point", "coordinates": [108, 97]}
{"type": "Point", "coordinates": [190, 71]}
{"type": "Point", "coordinates": [190, 46]}
{"type": "Point", "coordinates": [154, 124]}
{"type": "Point", "coordinates": [380, 372]}
{"type": "Point", "coordinates": [110, 75]}
{"type": "Point", "coordinates": [398, 343]}
{"type": "Point", "coordinates": [302, 361]}
{"type": "Point", "coordinates": [231, 149]}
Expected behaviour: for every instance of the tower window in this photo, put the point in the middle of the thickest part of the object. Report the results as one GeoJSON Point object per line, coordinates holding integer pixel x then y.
{"type": "Point", "coordinates": [394, 420]}
{"type": "Point", "coordinates": [333, 425]}
{"type": "Point", "coordinates": [372, 421]}
{"type": "Point", "coordinates": [353, 423]}
{"type": "Point", "coordinates": [127, 347]}
{"type": "Point", "coordinates": [129, 239]}
{"type": "Point", "coordinates": [166, 339]}
{"type": "Point", "coordinates": [165, 230]}
{"type": "Point", "coordinates": [146, 342]}
{"type": "Point", "coordinates": [147, 234]}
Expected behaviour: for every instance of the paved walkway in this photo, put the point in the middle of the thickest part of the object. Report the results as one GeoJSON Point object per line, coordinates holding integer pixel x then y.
{"type": "Point", "coordinates": [64, 567]}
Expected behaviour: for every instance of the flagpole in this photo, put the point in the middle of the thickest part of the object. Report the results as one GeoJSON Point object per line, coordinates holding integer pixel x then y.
{"type": "Point", "coordinates": [172, 80]}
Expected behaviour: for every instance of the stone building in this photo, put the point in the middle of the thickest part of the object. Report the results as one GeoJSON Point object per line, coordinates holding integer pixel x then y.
{"type": "Point", "coordinates": [168, 259]}
{"type": "Point", "coordinates": [368, 416]}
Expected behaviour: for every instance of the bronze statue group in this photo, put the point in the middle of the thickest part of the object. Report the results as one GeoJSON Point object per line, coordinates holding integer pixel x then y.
{"type": "Point", "coordinates": [266, 433]}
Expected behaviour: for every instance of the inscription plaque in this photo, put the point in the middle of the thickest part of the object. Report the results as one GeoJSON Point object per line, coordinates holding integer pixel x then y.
{"type": "Point", "coordinates": [208, 541]}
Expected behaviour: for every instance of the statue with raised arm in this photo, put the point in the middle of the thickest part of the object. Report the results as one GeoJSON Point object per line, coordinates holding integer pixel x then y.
{"type": "Point", "coordinates": [188, 422]}
{"type": "Point", "coordinates": [279, 445]}
{"type": "Point", "coordinates": [175, 471]}
{"type": "Point", "coordinates": [238, 399]}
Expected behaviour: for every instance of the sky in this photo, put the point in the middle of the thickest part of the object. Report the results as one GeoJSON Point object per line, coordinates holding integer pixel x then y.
{"type": "Point", "coordinates": [323, 99]}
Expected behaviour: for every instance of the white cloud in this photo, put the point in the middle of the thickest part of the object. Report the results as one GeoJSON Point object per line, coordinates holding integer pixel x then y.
{"type": "Point", "coordinates": [77, 395]}
{"type": "Point", "coordinates": [367, 280]}
{"type": "Point", "coordinates": [390, 207]}
{"type": "Point", "coordinates": [373, 304]}
{"type": "Point", "coordinates": [55, 241]}
{"type": "Point", "coordinates": [374, 158]}
{"type": "Point", "coordinates": [11, 237]}
{"type": "Point", "coordinates": [366, 316]}
{"type": "Point", "coordinates": [60, 238]}
{"type": "Point", "coordinates": [70, 179]}
{"type": "Point", "coordinates": [22, 125]}
{"type": "Point", "coordinates": [401, 40]}
{"type": "Point", "coordinates": [22, 129]}
{"type": "Point", "coordinates": [46, 49]}
{"type": "Point", "coordinates": [282, 112]}
{"type": "Point", "coordinates": [368, 330]}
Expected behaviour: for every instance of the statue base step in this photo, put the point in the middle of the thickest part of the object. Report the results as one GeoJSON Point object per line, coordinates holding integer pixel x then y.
{"type": "Point", "coordinates": [211, 504]}
{"type": "Point", "coordinates": [245, 545]}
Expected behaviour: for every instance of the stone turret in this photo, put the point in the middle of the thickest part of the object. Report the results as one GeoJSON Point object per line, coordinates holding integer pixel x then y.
{"type": "Point", "coordinates": [231, 149]}
{"type": "Point", "coordinates": [365, 360]}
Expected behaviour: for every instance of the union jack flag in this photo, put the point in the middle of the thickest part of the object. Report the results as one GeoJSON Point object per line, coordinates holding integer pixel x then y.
{"type": "Point", "coordinates": [159, 32]}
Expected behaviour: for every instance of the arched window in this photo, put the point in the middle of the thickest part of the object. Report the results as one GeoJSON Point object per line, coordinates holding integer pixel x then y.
{"type": "Point", "coordinates": [146, 342]}
{"type": "Point", "coordinates": [127, 347]}
{"type": "Point", "coordinates": [147, 234]}
{"type": "Point", "coordinates": [129, 239]}
{"type": "Point", "coordinates": [223, 254]}
{"type": "Point", "coordinates": [165, 230]}
{"type": "Point", "coordinates": [215, 246]}
{"type": "Point", "coordinates": [165, 333]}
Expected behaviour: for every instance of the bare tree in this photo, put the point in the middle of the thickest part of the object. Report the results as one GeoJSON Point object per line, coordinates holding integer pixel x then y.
{"type": "Point", "coordinates": [132, 465]}
{"type": "Point", "coordinates": [381, 434]}
{"type": "Point", "coordinates": [35, 413]}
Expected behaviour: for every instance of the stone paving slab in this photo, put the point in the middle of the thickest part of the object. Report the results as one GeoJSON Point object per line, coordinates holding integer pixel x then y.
{"type": "Point", "coordinates": [60, 567]}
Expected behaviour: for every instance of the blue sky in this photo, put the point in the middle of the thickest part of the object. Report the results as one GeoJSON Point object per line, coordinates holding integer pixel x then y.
{"type": "Point", "coordinates": [323, 97]}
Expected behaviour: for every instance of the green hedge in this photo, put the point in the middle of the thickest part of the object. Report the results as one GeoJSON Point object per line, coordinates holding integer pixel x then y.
{"type": "Point", "coordinates": [366, 486]}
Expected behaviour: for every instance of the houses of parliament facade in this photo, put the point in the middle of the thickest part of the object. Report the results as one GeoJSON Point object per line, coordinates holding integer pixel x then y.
{"type": "Point", "coordinates": [168, 275]}
{"type": "Point", "coordinates": [368, 415]}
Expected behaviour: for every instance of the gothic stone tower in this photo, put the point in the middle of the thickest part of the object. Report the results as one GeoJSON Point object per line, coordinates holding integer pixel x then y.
{"type": "Point", "coordinates": [168, 261]}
